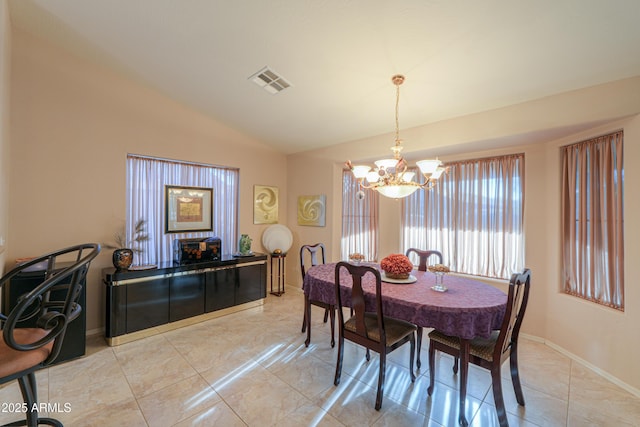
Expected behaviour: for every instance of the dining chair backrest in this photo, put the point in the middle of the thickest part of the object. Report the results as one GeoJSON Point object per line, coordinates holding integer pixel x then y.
{"type": "Point", "coordinates": [517, 299]}
{"type": "Point", "coordinates": [361, 335]}
{"type": "Point", "coordinates": [314, 254]}
{"type": "Point", "coordinates": [424, 255]}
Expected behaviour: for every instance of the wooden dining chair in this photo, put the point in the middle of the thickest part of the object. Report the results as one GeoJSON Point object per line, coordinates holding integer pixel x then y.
{"type": "Point", "coordinates": [491, 352]}
{"type": "Point", "coordinates": [422, 266]}
{"type": "Point", "coordinates": [311, 255]}
{"type": "Point", "coordinates": [50, 307]}
{"type": "Point", "coordinates": [370, 329]}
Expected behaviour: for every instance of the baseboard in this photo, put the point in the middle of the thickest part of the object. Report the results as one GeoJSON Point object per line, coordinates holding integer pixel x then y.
{"type": "Point", "coordinates": [602, 373]}
{"type": "Point", "coordinates": [97, 331]}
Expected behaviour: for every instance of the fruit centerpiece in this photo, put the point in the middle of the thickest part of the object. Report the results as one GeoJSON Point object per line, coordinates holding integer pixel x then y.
{"type": "Point", "coordinates": [356, 257]}
{"type": "Point", "coordinates": [439, 270]}
{"type": "Point", "coordinates": [396, 266]}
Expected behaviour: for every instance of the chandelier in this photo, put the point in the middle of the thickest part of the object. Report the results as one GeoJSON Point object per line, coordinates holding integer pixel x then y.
{"type": "Point", "coordinates": [390, 177]}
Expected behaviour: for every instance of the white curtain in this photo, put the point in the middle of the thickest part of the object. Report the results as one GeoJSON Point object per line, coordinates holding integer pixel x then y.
{"type": "Point", "coordinates": [474, 216]}
{"type": "Point", "coordinates": [359, 220]}
{"type": "Point", "coordinates": [592, 220]}
{"type": "Point", "coordinates": [146, 181]}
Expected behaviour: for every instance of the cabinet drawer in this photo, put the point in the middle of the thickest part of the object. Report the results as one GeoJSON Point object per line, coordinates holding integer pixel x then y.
{"type": "Point", "coordinates": [186, 296]}
{"type": "Point", "coordinates": [147, 304]}
{"type": "Point", "coordinates": [220, 291]}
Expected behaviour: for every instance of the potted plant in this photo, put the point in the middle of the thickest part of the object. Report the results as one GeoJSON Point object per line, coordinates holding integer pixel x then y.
{"type": "Point", "coordinates": [124, 248]}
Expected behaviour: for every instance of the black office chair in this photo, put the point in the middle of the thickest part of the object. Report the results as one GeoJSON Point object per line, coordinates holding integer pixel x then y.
{"type": "Point", "coordinates": [24, 350]}
{"type": "Point", "coordinates": [491, 352]}
{"type": "Point", "coordinates": [422, 266]}
{"type": "Point", "coordinates": [372, 330]}
{"type": "Point", "coordinates": [315, 255]}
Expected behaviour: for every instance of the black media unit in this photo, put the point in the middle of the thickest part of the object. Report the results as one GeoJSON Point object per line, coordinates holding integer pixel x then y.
{"type": "Point", "coordinates": [146, 302]}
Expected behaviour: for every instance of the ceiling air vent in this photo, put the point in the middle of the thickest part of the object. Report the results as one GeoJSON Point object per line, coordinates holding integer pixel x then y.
{"type": "Point", "coordinates": [270, 81]}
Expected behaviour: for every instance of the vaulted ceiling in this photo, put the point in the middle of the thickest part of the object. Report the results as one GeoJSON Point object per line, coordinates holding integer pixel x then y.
{"type": "Point", "coordinates": [459, 57]}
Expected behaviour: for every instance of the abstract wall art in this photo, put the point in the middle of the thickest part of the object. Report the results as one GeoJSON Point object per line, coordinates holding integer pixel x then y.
{"type": "Point", "coordinates": [265, 204]}
{"type": "Point", "coordinates": [311, 210]}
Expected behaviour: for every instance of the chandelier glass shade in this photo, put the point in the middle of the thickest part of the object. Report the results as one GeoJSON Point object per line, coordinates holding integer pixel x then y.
{"type": "Point", "coordinates": [390, 177]}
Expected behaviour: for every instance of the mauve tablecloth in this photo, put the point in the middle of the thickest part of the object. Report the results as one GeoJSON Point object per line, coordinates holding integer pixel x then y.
{"type": "Point", "coordinates": [468, 309]}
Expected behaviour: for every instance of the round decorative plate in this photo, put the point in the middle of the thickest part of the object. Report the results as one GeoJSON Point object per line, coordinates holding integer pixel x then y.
{"type": "Point", "coordinates": [410, 279]}
{"type": "Point", "coordinates": [142, 267]}
{"type": "Point", "coordinates": [238, 254]}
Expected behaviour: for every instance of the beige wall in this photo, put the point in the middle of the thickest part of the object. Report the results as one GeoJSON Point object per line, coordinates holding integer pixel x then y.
{"type": "Point", "coordinates": [5, 61]}
{"type": "Point", "coordinates": [73, 124]}
{"type": "Point", "coordinates": [603, 338]}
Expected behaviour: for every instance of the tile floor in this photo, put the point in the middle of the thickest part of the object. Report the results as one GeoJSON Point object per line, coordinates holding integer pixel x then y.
{"type": "Point", "coordinates": [252, 369]}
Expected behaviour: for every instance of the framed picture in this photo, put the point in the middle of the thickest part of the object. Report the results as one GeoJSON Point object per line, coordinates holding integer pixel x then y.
{"type": "Point", "coordinates": [265, 204]}
{"type": "Point", "coordinates": [311, 210]}
{"type": "Point", "coordinates": [188, 209]}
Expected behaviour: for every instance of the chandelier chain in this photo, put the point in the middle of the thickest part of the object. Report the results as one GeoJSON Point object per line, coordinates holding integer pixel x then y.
{"type": "Point", "coordinates": [397, 108]}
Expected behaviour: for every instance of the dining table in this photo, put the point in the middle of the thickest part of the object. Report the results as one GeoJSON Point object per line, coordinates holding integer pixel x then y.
{"type": "Point", "coordinates": [468, 308]}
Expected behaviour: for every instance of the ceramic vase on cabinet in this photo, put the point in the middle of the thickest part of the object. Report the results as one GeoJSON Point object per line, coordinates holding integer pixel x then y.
{"type": "Point", "coordinates": [122, 258]}
{"type": "Point", "coordinates": [244, 245]}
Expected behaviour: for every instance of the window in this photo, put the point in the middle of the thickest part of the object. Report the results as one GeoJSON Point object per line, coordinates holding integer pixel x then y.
{"type": "Point", "coordinates": [359, 219]}
{"type": "Point", "coordinates": [146, 179]}
{"type": "Point", "coordinates": [474, 216]}
{"type": "Point", "coordinates": [592, 220]}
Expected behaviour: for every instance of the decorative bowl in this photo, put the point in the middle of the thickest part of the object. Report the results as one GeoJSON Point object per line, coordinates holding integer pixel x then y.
{"type": "Point", "coordinates": [396, 266]}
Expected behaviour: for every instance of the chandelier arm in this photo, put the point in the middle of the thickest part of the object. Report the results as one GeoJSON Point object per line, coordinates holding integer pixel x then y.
{"type": "Point", "coordinates": [428, 184]}
{"type": "Point", "coordinates": [367, 187]}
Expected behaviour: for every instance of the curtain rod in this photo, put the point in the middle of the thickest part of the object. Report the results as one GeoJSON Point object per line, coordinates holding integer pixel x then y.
{"type": "Point", "coordinates": [589, 140]}
{"type": "Point", "coordinates": [181, 162]}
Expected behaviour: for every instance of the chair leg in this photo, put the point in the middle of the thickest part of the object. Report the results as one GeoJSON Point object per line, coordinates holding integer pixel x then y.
{"type": "Point", "coordinates": [307, 311]}
{"type": "Point", "coordinates": [326, 314]}
{"type": "Point", "coordinates": [455, 365]}
{"type": "Point", "coordinates": [368, 355]}
{"type": "Point", "coordinates": [496, 385]}
{"type": "Point", "coordinates": [464, 371]}
{"type": "Point", "coordinates": [381, 375]}
{"type": "Point", "coordinates": [304, 319]}
{"type": "Point", "coordinates": [413, 350]}
{"type": "Point", "coordinates": [432, 367]}
{"type": "Point", "coordinates": [336, 379]}
{"type": "Point", "coordinates": [419, 335]}
{"type": "Point", "coordinates": [332, 315]}
{"type": "Point", "coordinates": [515, 376]}
{"type": "Point", "coordinates": [29, 390]}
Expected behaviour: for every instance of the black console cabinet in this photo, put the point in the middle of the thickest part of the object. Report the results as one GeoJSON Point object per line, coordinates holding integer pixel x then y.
{"type": "Point", "coordinates": [140, 300]}
{"type": "Point", "coordinates": [74, 342]}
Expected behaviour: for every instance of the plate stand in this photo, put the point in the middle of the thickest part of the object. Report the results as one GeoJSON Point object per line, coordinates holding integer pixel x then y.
{"type": "Point", "coordinates": [277, 273]}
